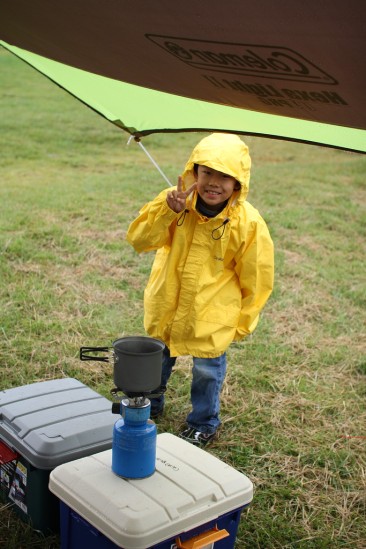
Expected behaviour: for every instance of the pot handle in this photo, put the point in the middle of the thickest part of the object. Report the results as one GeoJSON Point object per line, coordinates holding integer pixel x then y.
{"type": "Point", "coordinates": [85, 356]}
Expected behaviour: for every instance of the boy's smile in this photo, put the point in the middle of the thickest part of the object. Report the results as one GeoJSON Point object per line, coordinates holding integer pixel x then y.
{"type": "Point", "coordinates": [214, 187]}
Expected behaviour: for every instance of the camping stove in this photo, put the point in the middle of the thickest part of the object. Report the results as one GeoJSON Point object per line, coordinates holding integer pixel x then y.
{"type": "Point", "coordinates": [134, 439]}
{"type": "Point", "coordinates": [137, 375]}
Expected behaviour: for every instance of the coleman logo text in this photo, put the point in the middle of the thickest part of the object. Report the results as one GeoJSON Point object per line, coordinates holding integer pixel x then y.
{"type": "Point", "coordinates": [245, 59]}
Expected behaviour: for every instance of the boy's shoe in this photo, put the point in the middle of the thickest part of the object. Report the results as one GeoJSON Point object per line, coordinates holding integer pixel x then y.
{"type": "Point", "coordinates": [196, 437]}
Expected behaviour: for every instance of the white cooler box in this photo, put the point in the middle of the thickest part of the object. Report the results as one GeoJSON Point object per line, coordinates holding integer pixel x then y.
{"type": "Point", "coordinates": [193, 500]}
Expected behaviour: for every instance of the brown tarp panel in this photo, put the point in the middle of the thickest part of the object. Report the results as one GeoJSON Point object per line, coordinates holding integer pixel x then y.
{"type": "Point", "coordinates": [301, 60]}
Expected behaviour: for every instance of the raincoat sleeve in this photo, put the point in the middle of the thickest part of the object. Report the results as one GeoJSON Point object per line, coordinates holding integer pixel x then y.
{"type": "Point", "coordinates": [255, 269]}
{"type": "Point", "coordinates": [153, 228]}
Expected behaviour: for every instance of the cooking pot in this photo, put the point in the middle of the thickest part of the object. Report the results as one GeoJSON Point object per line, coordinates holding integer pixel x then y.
{"type": "Point", "coordinates": [137, 363]}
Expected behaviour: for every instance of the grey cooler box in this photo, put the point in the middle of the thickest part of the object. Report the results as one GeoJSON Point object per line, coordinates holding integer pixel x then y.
{"type": "Point", "coordinates": [43, 425]}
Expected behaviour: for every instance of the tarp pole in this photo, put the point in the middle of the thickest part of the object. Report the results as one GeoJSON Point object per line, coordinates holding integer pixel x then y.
{"type": "Point", "coordinates": [150, 157]}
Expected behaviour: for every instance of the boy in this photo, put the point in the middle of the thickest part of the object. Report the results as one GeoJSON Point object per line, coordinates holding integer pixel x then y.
{"type": "Point", "coordinates": [212, 273]}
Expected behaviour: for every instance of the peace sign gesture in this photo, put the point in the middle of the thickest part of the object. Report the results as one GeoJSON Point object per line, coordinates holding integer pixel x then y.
{"type": "Point", "coordinates": [177, 199]}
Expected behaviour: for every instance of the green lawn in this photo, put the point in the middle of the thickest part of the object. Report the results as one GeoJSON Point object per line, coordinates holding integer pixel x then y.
{"type": "Point", "coordinates": [293, 405]}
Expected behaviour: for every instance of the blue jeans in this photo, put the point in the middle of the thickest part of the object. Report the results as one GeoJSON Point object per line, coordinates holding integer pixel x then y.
{"type": "Point", "coordinates": [208, 376]}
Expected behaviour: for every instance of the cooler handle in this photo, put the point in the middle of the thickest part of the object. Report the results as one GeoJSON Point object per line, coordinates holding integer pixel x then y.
{"type": "Point", "coordinates": [204, 540]}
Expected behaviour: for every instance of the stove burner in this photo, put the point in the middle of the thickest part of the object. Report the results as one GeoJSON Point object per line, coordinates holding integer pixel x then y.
{"type": "Point", "coordinates": [130, 394]}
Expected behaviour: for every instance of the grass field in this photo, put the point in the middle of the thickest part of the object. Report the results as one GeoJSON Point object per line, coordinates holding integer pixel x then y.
{"type": "Point", "coordinates": [293, 404]}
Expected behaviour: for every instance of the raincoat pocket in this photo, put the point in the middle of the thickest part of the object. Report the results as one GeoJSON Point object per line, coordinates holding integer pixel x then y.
{"type": "Point", "coordinates": [228, 316]}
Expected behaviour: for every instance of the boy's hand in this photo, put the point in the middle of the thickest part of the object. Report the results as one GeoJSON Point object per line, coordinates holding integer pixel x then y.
{"type": "Point", "coordinates": [177, 199]}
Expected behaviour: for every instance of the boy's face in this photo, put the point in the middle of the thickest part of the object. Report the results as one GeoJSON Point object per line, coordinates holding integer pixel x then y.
{"type": "Point", "coordinates": [214, 187]}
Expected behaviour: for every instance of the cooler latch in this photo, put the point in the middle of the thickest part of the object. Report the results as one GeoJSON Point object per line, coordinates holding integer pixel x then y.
{"type": "Point", "coordinates": [205, 540]}
{"type": "Point", "coordinates": [6, 453]}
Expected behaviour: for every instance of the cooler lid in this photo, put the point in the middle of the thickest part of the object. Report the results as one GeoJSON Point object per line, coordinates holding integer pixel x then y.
{"type": "Point", "coordinates": [51, 422]}
{"type": "Point", "coordinates": [189, 488]}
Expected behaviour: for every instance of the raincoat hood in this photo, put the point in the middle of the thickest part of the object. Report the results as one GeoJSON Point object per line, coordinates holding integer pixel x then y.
{"type": "Point", "coordinates": [226, 153]}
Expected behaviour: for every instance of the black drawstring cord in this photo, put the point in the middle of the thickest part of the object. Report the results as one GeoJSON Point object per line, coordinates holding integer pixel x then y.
{"type": "Point", "coordinates": [222, 226]}
{"type": "Point", "coordinates": [182, 217]}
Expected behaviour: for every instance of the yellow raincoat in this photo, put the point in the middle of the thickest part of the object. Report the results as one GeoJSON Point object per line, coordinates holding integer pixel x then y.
{"type": "Point", "coordinates": [211, 276]}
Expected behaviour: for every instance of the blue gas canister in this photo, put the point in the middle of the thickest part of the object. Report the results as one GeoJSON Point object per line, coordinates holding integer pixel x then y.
{"type": "Point", "coordinates": [134, 440]}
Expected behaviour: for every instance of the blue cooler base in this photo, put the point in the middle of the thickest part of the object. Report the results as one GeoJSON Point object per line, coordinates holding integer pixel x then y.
{"type": "Point", "coordinates": [77, 532]}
